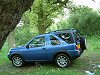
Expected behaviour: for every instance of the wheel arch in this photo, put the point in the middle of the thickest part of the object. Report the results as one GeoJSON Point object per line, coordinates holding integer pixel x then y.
{"type": "Point", "coordinates": [66, 53]}
{"type": "Point", "coordinates": [15, 54]}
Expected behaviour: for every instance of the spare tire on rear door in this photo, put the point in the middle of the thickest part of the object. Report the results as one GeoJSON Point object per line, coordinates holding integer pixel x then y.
{"type": "Point", "coordinates": [82, 43]}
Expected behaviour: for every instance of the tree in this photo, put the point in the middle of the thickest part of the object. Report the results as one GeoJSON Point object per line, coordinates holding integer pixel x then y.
{"type": "Point", "coordinates": [11, 40]}
{"type": "Point", "coordinates": [10, 15]}
{"type": "Point", "coordinates": [86, 20]}
{"type": "Point", "coordinates": [11, 12]}
{"type": "Point", "coordinates": [33, 24]}
{"type": "Point", "coordinates": [43, 11]}
{"type": "Point", "coordinates": [25, 31]}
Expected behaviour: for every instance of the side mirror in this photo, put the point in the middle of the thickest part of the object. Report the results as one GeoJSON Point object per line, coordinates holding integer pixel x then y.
{"type": "Point", "coordinates": [27, 46]}
{"type": "Point", "coordinates": [30, 46]}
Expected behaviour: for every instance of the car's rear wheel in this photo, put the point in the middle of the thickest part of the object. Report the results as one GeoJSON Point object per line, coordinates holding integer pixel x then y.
{"type": "Point", "coordinates": [17, 61]}
{"type": "Point", "coordinates": [62, 60]}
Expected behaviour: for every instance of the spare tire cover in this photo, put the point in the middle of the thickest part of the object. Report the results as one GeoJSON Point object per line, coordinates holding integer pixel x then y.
{"type": "Point", "coordinates": [82, 43]}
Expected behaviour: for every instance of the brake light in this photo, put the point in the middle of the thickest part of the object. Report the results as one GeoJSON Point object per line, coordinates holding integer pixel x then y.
{"type": "Point", "coordinates": [76, 47]}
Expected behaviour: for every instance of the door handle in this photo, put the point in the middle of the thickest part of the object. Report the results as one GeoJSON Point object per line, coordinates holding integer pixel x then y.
{"type": "Point", "coordinates": [43, 48]}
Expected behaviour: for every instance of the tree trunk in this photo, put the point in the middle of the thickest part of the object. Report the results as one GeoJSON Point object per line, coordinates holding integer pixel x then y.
{"type": "Point", "coordinates": [11, 40]}
{"type": "Point", "coordinates": [41, 20]}
{"type": "Point", "coordinates": [41, 29]}
{"type": "Point", "coordinates": [10, 14]}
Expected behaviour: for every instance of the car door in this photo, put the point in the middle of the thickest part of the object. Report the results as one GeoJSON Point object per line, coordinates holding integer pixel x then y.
{"type": "Point", "coordinates": [54, 46]}
{"type": "Point", "coordinates": [37, 49]}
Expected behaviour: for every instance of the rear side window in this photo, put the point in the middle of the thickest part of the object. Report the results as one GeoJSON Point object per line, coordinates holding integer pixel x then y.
{"type": "Point", "coordinates": [54, 41]}
{"type": "Point", "coordinates": [66, 37]}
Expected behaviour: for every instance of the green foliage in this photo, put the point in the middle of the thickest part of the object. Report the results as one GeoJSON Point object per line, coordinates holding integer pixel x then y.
{"type": "Point", "coordinates": [86, 20]}
{"type": "Point", "coordinates": [3, 54]}
{"type": "Point", "coordinates": [43, 12]}
{"type": "Point", "coordinates": [23, 36]}
{"type": "Point", "coordinates": [25, 32]}
{"type": "Point", "coordinates": [63, 24]}
{"type": "Point", "coordinates": [38, 19]}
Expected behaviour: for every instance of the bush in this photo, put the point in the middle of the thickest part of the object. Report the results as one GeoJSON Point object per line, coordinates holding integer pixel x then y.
{"type": "Point", "coordinates": [85, 20]}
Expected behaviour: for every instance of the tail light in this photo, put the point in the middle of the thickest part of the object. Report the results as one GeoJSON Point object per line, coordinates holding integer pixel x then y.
{"type": "Point", "coordinates": [77, 48]}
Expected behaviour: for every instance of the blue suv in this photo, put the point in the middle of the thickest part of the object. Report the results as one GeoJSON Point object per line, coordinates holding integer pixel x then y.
{"type": "Point", "coordinates": [59, 46]}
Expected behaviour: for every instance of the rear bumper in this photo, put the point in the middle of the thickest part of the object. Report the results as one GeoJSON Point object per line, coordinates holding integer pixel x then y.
{"type": "Point", "coordinates": [75, 53]}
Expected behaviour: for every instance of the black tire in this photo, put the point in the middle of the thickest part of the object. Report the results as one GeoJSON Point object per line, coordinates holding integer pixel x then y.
{"type": "Point", "coordinates": [82, 43]}
{"type": "Point", "coordinates": [17, 61]}
{"type": "Point", "coordinates": [62, 60]}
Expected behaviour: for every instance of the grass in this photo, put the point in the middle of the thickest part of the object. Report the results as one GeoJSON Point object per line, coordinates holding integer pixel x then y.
{"type": "Point", "coordinates": [79, 66]}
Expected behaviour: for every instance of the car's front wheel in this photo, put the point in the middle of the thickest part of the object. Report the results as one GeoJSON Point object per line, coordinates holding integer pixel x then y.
{"type": "Point", "coordinates": [17, 61]}
{"type": "Point", "coordinates": [62, 60]}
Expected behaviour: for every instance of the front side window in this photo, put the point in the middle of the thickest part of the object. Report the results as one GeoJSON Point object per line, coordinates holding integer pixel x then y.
{"type": "Point", "coordinates": [37, 42]}
{"type": "Point", "coordinates": [54, 41]}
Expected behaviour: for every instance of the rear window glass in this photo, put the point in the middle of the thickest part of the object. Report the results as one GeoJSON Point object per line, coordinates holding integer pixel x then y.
{"type": "Point", "coordinates": [66, 37]}
{"type": "Point", "coordinates": [77, 36]}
